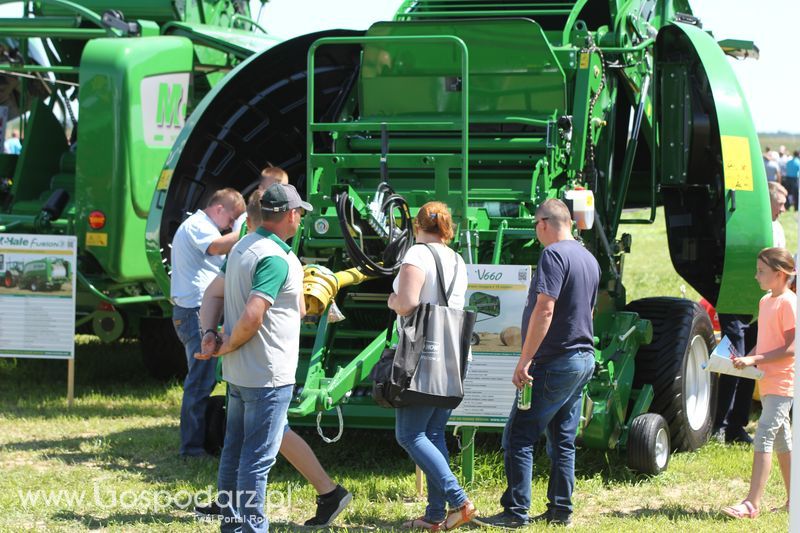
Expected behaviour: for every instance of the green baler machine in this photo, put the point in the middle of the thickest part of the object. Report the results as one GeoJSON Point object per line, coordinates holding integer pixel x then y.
{"type": "Point", "coordinates": [102, 89]}
{"type": "Point", "coordinates": [494, 107]}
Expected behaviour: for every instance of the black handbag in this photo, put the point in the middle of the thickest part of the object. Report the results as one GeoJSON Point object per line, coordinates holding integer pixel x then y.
{"type": "Point", "coordinates": [429, 363]}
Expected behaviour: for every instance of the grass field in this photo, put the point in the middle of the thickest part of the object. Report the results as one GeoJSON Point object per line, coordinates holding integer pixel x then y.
{"type": "Point", "coordinates": [116, 448]}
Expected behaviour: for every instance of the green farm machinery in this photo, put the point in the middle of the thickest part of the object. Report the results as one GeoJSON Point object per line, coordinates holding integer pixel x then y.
{"type": "Point", "coordinates": [102, 88]}
{"type": "Point", "coordinates": [46, 274]}
{"type": "Point", "coordinates": [494, 107]}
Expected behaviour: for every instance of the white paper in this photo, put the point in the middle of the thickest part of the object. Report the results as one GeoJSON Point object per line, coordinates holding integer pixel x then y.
{"type": "Point", "coordinates": [720, 361]}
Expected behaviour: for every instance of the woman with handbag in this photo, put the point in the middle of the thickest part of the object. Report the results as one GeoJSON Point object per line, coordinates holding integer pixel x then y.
{"type": "Point", "coordinates": [420, 429]}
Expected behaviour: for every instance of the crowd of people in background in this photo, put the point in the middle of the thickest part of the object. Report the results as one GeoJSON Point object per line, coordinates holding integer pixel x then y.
{"type": "Point", "coordinates": [783, 167]}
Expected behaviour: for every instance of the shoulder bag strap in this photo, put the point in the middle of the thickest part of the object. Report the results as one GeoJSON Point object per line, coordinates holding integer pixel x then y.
{"type": "Point", "coordinates": [455, 275]}
{"type": "Point", "coordinates": [390, 327]}
{"type": "Point", "coordinates": [439, 275]}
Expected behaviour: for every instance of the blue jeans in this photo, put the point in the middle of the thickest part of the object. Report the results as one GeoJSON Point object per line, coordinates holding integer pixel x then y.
{"type": "Point", "coordinates": [253, 435]}
{"type": "Point", "coordinates": [555, 410]}
{"type": "Point", "coordinates": [420, 431]}
{"type": "Point", "coordinates": [199, 382]}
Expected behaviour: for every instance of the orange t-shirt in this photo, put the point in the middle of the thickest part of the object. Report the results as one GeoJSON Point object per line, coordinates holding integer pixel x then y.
{"type": "Point", "coordinates": [776, 315]}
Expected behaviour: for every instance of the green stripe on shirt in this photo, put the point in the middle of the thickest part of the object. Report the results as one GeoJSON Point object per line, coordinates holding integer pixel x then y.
{"type": "Point", "coordinates": [270, 275]}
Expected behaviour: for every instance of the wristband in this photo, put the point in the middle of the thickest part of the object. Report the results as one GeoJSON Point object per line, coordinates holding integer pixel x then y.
{"type": "Point", "coordinates": [213, 332]}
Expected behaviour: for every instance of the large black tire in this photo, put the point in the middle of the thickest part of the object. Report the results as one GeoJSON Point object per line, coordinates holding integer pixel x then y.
{"type": "Point", "coordinates": [648, 444]}
{"type": "Point", "coordinates": [215, 425]}
{"type": "Point", "coordinates": [685, 393]}
{"type": "Point", "coordinates": [163, 353]}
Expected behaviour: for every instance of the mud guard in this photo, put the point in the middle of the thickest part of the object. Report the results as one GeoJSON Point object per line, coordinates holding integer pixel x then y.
{"type": "Point", "coordinates": [712, 177]}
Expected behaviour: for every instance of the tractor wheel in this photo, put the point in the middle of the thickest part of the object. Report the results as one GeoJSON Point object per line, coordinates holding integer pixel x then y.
{"type": "Point", "coordinates": [215, 425]}
{"type": "Point", "coordinates": [685, 393]}
{"type": "Point", "coordinates": [163, 354]}
{"type": "Point", "coordinates": [648, 444]}
{"type": "Point", "coordinates": [475, 339]}
{"type": "Point", "coordinates": [34, 286]}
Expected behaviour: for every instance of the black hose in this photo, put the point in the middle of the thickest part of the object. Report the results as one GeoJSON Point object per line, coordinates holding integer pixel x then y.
{"type": "Point", "coordinates": [399, 241]}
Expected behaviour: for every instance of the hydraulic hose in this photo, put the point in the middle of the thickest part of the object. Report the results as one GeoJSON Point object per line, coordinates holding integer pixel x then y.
{"type": "Point", "coordinates": [399, 237]}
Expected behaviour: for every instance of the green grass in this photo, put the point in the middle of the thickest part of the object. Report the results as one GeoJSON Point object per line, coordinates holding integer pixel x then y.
{"type": "Point", "coordinates": [122, 435]}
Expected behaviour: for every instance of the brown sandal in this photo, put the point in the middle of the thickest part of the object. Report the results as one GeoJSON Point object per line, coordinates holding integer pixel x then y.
{"type": "Point", "coordinates": [423, 523]}
{"type": "Point", "coordinates": [460, 516]}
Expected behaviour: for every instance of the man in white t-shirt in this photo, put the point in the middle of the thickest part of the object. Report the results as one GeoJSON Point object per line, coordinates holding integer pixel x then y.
{"type": "Point", "coordinates": [197, 250]}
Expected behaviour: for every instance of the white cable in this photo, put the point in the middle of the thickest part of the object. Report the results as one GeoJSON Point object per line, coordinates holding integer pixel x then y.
{"type": "Point", "coordinates": [341, 426]}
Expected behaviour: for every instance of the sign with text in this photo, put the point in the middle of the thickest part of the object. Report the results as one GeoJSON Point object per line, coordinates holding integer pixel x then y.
{"type": "Point", "coordinates": [37, 296]}
{"type": "Point", "coordinates": [497, 293]}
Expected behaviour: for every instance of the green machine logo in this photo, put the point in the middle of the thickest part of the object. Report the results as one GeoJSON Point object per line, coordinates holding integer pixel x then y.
{"type": "Point", "coordinates": [164, 100]}
{"type": "Point", "coordinates": [169, 104]}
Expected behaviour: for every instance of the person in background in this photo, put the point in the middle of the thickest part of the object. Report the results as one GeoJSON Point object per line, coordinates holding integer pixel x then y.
{"type": "Point", "coordinates": [332, 498]}
{"type": "Point", "coordinates": [777, 201]}
{"type": "Point", "coordinates": [269, 175]}
{"type": "Point", "coordinates": [790, 179]}
{"type": "Point", "coordinates": [557, 360]}
{"type": "Point", "coordinates": [420, 429]}
{"type": "Point", "coordinates": [13, 145]}
{"type": "Point", "coordinates": [197, 250]}
{"type": "Point", "coordinates": [771, 166]}
{"type": "Point", "coordinates": [773, 355]}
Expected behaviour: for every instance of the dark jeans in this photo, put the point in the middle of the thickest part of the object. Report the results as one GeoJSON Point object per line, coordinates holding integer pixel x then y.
{"type": "Point", "coordinates": [791, 188]}
{"type": "Point", "coordinates": [199, 382]}
{"type": "Point", "coordinates": [735, 394]}
{"type": "Point", "coordinates": [555, 409]}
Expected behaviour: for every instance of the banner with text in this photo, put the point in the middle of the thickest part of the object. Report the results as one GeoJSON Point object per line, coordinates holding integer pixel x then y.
{"type": "Point", "coordinates": [37, 296]}
{"type": "Point", "coordinates": [497, 293]}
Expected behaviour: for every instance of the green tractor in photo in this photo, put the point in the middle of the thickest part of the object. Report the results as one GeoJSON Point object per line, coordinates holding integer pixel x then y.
{"type": "Point", "coordinates": [11, 273]}
{"type": "Point", "coordinates": [494, 107]}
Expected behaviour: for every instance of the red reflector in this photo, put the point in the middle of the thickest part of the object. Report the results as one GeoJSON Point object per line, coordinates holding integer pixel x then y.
{"type": "Point", "coordinates": [105, 306]}
{"type": "Point", "coordinates": [97, 219]}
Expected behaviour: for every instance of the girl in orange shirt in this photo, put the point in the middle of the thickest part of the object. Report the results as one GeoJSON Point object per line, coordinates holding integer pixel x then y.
{"type": "Point", "coordinates": [774, 355]}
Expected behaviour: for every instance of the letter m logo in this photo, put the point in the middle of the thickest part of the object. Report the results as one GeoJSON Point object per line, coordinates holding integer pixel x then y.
{"type": "Point", "coordinates": [168, 112]}
{"type": "Point", "coordinates": [164, 99]}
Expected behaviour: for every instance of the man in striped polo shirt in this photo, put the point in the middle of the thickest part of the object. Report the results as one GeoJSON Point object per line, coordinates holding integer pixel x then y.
{"type": "Point", "coordinates": [260, 291]}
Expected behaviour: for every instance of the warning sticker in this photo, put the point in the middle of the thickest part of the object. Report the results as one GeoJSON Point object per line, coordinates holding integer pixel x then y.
{"type": "Point", "coordinates": [737, 163]}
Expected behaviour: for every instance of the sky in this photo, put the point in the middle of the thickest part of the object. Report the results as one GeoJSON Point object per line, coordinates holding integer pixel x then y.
{"type": "Point", "coordinates": [771, 84]}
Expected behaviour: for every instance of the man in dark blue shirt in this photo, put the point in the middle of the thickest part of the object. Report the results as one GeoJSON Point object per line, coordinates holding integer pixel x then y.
{"type": "Point", "coordinates": [557, 358]}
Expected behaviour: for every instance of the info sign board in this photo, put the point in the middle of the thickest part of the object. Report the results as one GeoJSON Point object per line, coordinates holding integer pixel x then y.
{"type": "Point", "coordinates": [497, 293]}
{"type": "Point", "coordinates": [37, 296]}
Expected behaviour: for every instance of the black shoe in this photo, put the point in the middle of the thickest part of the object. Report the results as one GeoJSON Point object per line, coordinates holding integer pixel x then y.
{"type": "Point", "coordinates": [503, 520]}
{"type": "Point", "coordinates": [329, 507]}
{"type": "Point", "coordinates": [552, 518]}
{"type": "Point", "coordinates": [212, 509]}
{"type": "Point", "coordinates": [557, 519]}
{"type": "Point", "coordinates": [739, 435]}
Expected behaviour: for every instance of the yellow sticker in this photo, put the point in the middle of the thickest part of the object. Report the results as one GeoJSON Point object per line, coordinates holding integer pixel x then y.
{"type": "Point", "coordinates": [584, 60]}
{"type": "Point", "coordinates": [164, 179]}
{"type": "Point", "coordinates": [97, 239]}
{"type": "Point", "coordinates": [737, 164]}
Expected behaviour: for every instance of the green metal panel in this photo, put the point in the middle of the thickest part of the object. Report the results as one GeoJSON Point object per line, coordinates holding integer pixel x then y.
{"type": "Point", "coordinates": [513, 71]}
{"type": "Point", "coordinates": [747, 211]}
{"type": "Point", "coordinates": [160, 10]}
{"type": "Point", "coordinates": [676, 122]}
{"type": "Point", "coordinates": [131, 113]}
{"type": "Point", "coordinates": [40, 155]}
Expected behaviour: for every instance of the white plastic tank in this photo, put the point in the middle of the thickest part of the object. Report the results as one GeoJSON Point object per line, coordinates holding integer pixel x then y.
{"type": "Point", "coordinates": [582, 207]}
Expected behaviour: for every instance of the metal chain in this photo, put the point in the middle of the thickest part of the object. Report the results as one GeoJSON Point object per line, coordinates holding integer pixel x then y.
{"type": "Point", "coordinates": [595, 98]}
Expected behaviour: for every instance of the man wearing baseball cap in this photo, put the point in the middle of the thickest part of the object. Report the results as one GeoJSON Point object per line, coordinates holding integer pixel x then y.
{"type": "Point", "coordinates": [260, 290]}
